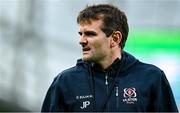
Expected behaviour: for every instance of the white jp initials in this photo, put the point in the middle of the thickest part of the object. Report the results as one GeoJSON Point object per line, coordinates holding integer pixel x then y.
{"type": "Point", "coordinates": [85, 104]}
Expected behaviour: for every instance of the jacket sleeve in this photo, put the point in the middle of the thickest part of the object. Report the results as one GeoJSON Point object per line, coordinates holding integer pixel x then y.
{"type": "Point", "coordinates": [163, 97]}
{"type": "Point", "coordinates": [53, 101]}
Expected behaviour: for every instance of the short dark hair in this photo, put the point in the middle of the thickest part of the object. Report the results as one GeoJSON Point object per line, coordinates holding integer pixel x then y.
{"type": "Point", "coordinates": [113, 19]}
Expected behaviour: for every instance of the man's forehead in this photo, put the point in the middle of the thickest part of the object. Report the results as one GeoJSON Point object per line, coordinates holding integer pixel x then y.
{"type": "Point", "coordinates": [93, 24]}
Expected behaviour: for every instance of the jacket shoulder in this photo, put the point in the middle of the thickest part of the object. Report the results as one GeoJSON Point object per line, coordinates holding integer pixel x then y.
{"type": "Point", "coordinates": [72, 72]}
{"type": "Point", "coordinates": [149, 68]}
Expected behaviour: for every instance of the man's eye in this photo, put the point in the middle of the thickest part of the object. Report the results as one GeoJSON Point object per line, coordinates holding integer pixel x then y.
{"type": "Point", "coordinates": [80, 33]}
{"type": "Point", "coordinates": [90, 34]}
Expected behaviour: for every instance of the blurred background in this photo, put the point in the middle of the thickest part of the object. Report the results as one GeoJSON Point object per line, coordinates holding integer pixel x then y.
{"type": "Point", "coordinates": [39, 39]}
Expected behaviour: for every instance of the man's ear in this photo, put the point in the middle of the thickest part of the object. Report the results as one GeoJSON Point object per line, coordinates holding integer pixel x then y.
{"type": "Point", "coordinates": [116, 38]}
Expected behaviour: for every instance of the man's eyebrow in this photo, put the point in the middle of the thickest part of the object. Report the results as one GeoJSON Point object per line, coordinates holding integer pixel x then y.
{"type": "Point", "coordinates": [90, 33]}
{"type": "Point", "coordinates": [87, 33]}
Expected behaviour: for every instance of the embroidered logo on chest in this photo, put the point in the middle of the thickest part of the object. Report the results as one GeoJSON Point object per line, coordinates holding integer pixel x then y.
{"type": "Point", "coordinates": [130, 95]}
{"type": "Point", "coordinates": [84, 97]}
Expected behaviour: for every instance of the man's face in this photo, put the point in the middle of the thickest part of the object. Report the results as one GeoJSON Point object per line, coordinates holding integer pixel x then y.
{"type": "Point", "coordinates": [95, 44]}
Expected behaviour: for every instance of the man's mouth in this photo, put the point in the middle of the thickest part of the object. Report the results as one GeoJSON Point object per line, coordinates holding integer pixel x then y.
{"type": "Point", "coordinates": [86, 49]}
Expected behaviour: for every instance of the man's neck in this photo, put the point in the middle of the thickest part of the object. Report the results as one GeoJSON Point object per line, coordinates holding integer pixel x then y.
{"type": "Point", "coordinates": [107, 63]}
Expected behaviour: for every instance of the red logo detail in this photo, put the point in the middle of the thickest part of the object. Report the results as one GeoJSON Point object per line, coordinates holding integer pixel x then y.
{"type": "Point", "coordinates": [129, 92]}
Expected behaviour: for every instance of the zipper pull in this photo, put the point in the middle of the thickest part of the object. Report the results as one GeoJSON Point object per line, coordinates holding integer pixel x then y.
{"type": "Point", "coordinates": [106, 81]}
{"type": "Point", "coordinates": [117, 97]}
{"type": "Point", "coordinates": [117, 91]}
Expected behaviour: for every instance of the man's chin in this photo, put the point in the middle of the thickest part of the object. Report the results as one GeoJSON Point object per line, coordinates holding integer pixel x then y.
{"type": "Point", "coordinates": [87, 59]}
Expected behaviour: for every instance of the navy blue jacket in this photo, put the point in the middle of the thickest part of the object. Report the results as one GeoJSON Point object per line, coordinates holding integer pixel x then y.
{"type": "Point", "coordinates": [128, 85]}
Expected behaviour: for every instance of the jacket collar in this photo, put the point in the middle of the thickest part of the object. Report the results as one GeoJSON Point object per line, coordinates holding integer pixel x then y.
{"type": "Point", "coordinates": [126, 61]}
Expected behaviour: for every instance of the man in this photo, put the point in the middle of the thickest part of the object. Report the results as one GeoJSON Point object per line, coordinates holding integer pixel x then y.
{"type": "Point", "coordinates": [107, 79]}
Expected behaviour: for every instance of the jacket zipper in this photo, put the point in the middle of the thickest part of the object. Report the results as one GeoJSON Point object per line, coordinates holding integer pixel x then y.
{"type": "Point", "coordinates": [107, 90]}
{"type": "Point", "coordinates": [117, 97]}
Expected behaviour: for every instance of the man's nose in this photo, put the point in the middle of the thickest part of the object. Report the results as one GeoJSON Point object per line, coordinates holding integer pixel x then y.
{"type": "Point", "coordinates": [83, 40]}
